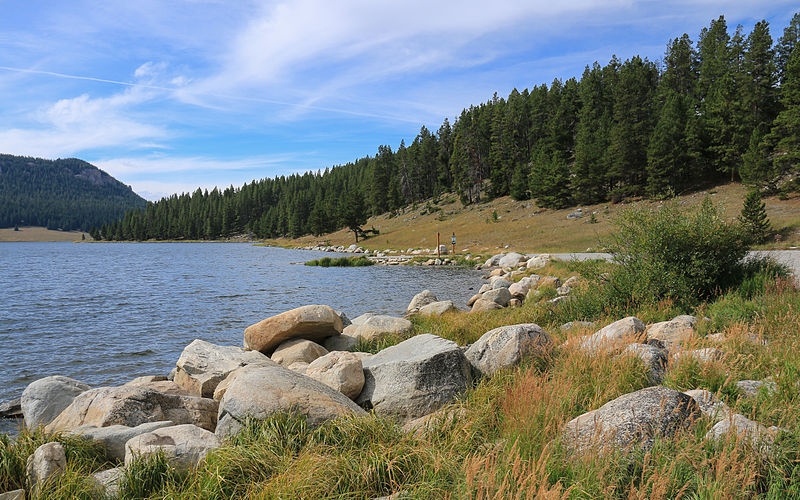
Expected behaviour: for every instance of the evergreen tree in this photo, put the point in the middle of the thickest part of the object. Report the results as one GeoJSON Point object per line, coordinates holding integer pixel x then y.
{"type": "Point", "coordinates": [785, 46]}
{"type": "Point", "coordinates": [784, 138]}
{"type": "Point", "coordinates": [353, 213]}
{"type": "Point", "coordinates": [591, 143]}
{"type": "Point", "coordinates": [754, 217]}
{"type": "Point", "coordinates": [668, 159]}
{"type": "Point", "coordinates": [549, 182]}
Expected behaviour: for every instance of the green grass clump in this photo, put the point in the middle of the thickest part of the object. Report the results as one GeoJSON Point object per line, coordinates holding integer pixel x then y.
{"type": "Point", "coordinates": [340, 262]}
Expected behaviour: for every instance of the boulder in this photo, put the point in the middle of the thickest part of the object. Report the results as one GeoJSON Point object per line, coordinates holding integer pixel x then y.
{"type": "Point", "coordinates": [114, 437]}
{"type": "Point", "coordinates": [563, 290]}
{"type": "Point", "coordinates": [202, 365]}
{"type": "Point", "coordinates": [497, 273]}
{"type": "Point", "coordinates": [515, 302]}
{"type": "Point", "coordinates": [549, 281]}
{"type": "Point", "coordinates": [339, 370]}
{"type": "Point", "coordinates": [294, 350]}
{"type": "Point", "coordinates": [654, 359]}
{"type": "Point", "coordinates": [473, 299]}
{"type": "Point", "coordinates": [483, 305]}
{"type": "Point", "coordinates": [415, 377]}
{"type": "Point", "coordinates": [345, 320]}
{"type": "Point", "coordinates": [625, 331]}
{"type": "Point", "coordinates": [11, 409]}
{"type": "Point", "coordinates": [360, 320]}
{"type": "Point", "coordinates": [521, 287]}
{"type": "Point", "coordinates": [484, 288]}
{"type": "Point", "coordinates": [108, 481]}
{"type": "Point", "coordinates": [750, 388]}
{"type": "Point", "coordinates": [43, 400]}
{"type": "Point", "coordinates": [13, 495]}
{"type": "Point", "coordinates": [132, 406]}
{"type": "Point", "coordinates": [706, 355]}
{"type": "Point", "coordinates": [493, 260]}
{"type": "Point", "coordinates": [672, 333]}
{"type": "Point", "coordinates": [500, 296]}
{"type": "Point", "coordinates": [633, 420]}
{"type": "Point", "coordinates": [379, 326]}
{"type": "Point", "coordinates": [339, 343]}
{"type": "Point", "coordinates": [538, 261]}
{"type": "Point", "coordinates": [571, 281]}
{"type": "Point", "coordinates": [257, 391]}
{"type": "Point", "coordinates": [146, 379]}
{"type": "Point", "coordinates": [437, 308]}
{"type": "Point", "coordinates": [709, 404]}
{"type": "Point", "coordinates": [47, 461]}
{"type": "Point", "coordinates": [576, 324]}
{"type": "Point", "coordinates": [512, 259]}
{"type": "Point", "coordinates": [756, 435]}
{"type": "Point", "coordinates": [448, 415]}
{"type": "Point", "coordinates": [164, 386]}
{"type": "Point", "coordinates": [500, 283]}
{"type": "Point", "coordinates": [183, 445]}
{"type": "Point", "coordinates": [299, 367]}
{"type": "Point", "coordinates": [506, 346]}
{"type": "Point", "coordinates": [423, 298]}
{"type": "Point", "coordinates": [313, 322]}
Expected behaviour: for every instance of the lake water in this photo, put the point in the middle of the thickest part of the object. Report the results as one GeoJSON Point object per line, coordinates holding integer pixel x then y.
{"type": "Point", "coordinates": [106, 313]}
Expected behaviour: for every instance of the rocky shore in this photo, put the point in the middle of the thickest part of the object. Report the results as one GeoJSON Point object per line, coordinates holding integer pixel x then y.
{"type": "Point", "coordinates": [307, 360]}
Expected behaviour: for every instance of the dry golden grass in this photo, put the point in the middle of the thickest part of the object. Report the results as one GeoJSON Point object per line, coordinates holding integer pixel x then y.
{"type": "Point", "coordinates": [32, 233]}
{"type": "Point", "coordinates": [527, 228]}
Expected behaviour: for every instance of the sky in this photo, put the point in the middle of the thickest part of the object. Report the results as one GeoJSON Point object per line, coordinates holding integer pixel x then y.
{"type": "Point", "coordinates": [168, 96]}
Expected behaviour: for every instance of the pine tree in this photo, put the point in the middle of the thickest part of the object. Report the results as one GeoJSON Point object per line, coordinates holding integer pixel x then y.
{"type": "Point", "coordinates": [549, 181]}
{"type": "Point", "coordinates": [668, 160]}
{"type": "Point", "coordinates": [785, 46]}
{"type": "Point", "coordinates": [754, 217]}
{"type": "Point", "coordinates": [353, 213]}
{"type": "Point", "coordinates": [784, 138]}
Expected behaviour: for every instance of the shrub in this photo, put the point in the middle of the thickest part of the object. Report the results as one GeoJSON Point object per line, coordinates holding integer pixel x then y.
{"type": "Point", "coordinates": [340, 262]}
{"type": "Point", "coordinates": [674, 253]}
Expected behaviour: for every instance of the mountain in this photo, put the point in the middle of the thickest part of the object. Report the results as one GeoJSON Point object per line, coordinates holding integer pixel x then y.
{"type": "Point", "coordinates": [65, 194]}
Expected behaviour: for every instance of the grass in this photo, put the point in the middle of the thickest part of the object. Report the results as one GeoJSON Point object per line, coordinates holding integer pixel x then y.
{"type": "Point", "coordinates": [527, 228]}
{"type": "Point", "coordinates": [340, 262]}
{"type": "Point", "coordinates": [503, 439]}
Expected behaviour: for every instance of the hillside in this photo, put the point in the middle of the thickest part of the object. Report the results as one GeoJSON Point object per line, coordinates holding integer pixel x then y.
{"type": "Point", "coordinates": [525, 227]}
{"type": "Point", "coordinates": [66, 194]}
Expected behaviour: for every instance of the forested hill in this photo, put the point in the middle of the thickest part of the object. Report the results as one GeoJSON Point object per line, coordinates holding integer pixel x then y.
{"type": "Point", "coordinates": [724, 107]}
{"type": "Point", "coordinates": [67, 194]}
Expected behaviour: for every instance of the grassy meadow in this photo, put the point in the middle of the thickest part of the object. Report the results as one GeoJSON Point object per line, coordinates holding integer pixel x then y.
{"type": "Point", "coordinates": [503, 438]}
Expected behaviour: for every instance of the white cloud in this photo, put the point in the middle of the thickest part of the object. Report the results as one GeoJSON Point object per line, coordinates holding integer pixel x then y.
{"type": "Point", "coordinates": [70, 126]}
{"type": "Point", "coordinates": [168, 164]}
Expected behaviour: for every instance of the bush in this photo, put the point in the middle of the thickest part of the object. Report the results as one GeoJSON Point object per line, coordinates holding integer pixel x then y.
{"type": "Point", "coordinates": [341, 262]}
{"type": "Point", "coordinates": [673, 253]}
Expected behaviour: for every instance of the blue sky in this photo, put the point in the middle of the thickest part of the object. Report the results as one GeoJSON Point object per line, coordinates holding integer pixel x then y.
{"type": "Point", "coordinates": [172, 95]}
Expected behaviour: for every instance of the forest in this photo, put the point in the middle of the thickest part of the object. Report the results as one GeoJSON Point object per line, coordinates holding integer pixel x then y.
{"type": "Point", "coordinates": [67, 194]}
{"type": "Point", "coordinates": [726, 107]}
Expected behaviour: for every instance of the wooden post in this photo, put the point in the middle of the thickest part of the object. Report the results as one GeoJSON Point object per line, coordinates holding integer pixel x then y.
{"type": "Point", "coordinates": [438, 254]}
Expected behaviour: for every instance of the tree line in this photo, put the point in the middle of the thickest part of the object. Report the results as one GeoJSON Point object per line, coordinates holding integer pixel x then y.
{"type": "Point", "coordinates": [726, 107]}
{"type": "Point", "coordinates": [67, 194]}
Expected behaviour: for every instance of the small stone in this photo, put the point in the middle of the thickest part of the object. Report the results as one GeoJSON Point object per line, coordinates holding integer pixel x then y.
{"type": "Point", "coordinates": [751, 388]}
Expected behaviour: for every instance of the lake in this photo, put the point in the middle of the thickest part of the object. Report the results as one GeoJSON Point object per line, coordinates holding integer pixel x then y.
{"type": "Point", "coordinates": [104, 313]}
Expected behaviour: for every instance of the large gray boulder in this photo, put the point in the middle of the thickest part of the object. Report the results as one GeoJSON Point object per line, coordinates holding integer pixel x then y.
{"type": "Point", "coordinates": [709, 404]}
{"type": "Point", "coordinates": [654, 359]}
{"type": "Point", "coordinates": [616, 335]}
{"type": "Point", "coordinates": [506, 346]}
{"type": "Point", "coordinates": [314, 322]}
{"type": "Point", "coordinates": [512, 259]}
{"type": "Point", "coordinates": [47, 461]}
{"type": "Point", "coordinates": [379, 326]}
{"type": "Point", "coordinates": [423, 298]}
{"type": "Point", "coordinates": [437, 308]}
{"type": "Point", "coordinates": [493, 260]}
{"type": "Point", "coordinates": [483, 305]}
{"type": "Point", "coordinates": [415, 377]}
{"type": "Point", "coordinates": [44, 399]}
{"type": "Point", "coordinates": [339, 343]}
{"type": "Point", "coordinates": [294, 350]}
{"type": "Point", "coordinates": [674, 332]}
{"type": "Point", "coordinates": [183, 445]}
{"type": "Point", "coordinates": [499, 296]}
{"type": "Point", "coordinates": [339, 370]}
{"type": "Point", "coordinates": [258, 391]}
{"type": "Point", "coordinates": [114, 437]}
{"type": "Point", "coordinates": [538, 261]}
{"type": "Point", "coordinates": [108, 481]}
{"type": "Point", "coordinates": [756, 435]}
{"type": "Point", "coordinates": [132, 406]}
{"type": "Point", "coordinates": [632, 420]}
{"type": "Point", "coordinates": [750, 388]}
{"type": "Point", "coordinates": [202, 365]}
